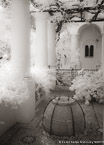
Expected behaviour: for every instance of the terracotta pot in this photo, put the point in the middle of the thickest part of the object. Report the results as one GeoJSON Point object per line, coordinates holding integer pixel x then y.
{"type": "Point", "coordinates": [64, 117]}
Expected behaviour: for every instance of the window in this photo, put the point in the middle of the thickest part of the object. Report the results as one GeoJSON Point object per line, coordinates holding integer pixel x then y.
{"type": "Point", "coordinates": [86, 51]}
{"type": "Point", "coordinates": [89, 50]}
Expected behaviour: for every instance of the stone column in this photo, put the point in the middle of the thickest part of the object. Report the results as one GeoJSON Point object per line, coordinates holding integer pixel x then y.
{"type": "Point", "coordinates": [20, 43]}
{"type": "Point", "coordinates": [102, 53]}
{"type": "Point", "coordinates": [52, 50]}
{"type": "Point", "coordinates": [102, 64]}
{"type": "Point", "coordinates": [51, 45]}
{"type": "Point", "coordinates": [41, 58]}
{"type": "Point", "coordinates": [20, 56]}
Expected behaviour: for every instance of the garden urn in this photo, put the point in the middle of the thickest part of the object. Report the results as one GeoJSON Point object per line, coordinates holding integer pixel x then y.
{"type": "Point", "coordinates": [64, 116]}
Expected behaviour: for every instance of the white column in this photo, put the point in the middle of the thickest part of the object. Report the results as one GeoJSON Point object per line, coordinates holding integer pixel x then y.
{"type": "Point", "coordinates": [20, 56]}
{"type": "Point", "coordinates": [51, 45]}
{"type": "Point", "coordinates": [26, 110]}
{"type": "Point", "coordinates": [52, 51]}
{"type": "Point", "coordinates": [102, 54]}
{"type": "Point", "coordinates": [20, 43]}
{"type": "Point", "coordinates": [41, 58]}
{"type": "Point", "coordinates": [102, 63]}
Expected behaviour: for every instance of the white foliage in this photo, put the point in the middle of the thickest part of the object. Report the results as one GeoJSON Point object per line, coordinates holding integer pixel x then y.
{"type": "Point", "coordinates": [101, 15]}
{"type": "Point", "coordinates": [44, 3]}
{"type": "Point", "coordinates": [64, 49]}
{"type": "Point", "coordinates": [69, 4]}
{"type": "Point", "coordinates": [88, 16]}
{"type": "Point", "coordinates": [12, 91]}
{"type": "Point", "coordinates": [4, 48]}
{"type": "Point", "coordinates": [63, 44]}
{"type": "Point", "coordinates": [5, 24]}
{"type": "Point", "coordinates": [44, 78]}
{"type": "Point", "coordinates": [57, 17]}
{"type": "Point", "coordinates": [88, 85]}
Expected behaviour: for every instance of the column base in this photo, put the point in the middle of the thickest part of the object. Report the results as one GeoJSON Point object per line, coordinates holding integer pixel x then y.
{"type": "Point", "coordinates": [26, 111]}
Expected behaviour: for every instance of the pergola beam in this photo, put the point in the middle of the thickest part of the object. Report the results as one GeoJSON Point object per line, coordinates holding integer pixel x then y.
{"type": "Point", "coordinates": [77, 9]}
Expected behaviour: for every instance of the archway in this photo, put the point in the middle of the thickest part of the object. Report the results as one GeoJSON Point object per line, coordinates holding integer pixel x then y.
{"type": "Point", "coordinates": [90, 46]}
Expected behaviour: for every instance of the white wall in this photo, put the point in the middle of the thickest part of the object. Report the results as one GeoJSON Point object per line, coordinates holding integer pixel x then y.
{"type": "Point", "coordinates": [87, 32]}
{"type": "Point", "coordinates": [90, 33]}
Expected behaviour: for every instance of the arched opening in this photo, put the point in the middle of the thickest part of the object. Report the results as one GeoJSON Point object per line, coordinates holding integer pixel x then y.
{"type": "Point", "coordinates": [91, 50]}
{"type": "Point", "coordinates": [90, 46]}
{"type": "Point", "coordinates": [86, 50]}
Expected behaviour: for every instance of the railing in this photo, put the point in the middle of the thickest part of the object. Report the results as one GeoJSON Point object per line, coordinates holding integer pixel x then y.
{"type": "Point", "coordinates": [65, 76]}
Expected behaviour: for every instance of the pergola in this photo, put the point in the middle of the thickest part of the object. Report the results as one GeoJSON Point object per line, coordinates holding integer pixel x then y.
{"type": "Point", "coordinates": [20, 51]}
{"type": "Point", "coordinates": [20, 47]}
{"type": "Point", "coordinates": [46, 35]}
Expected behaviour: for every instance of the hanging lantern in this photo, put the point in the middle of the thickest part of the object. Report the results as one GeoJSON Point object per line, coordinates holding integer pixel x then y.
{"type": "Point", "coordinates": [64, 117]}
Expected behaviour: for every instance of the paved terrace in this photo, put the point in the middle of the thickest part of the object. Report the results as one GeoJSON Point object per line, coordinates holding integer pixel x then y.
{"type": "Point", "coordinates": [33, 133]}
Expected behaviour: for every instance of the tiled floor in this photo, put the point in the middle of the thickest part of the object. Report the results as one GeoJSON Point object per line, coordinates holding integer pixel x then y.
{"type": "Point", "coordinates": [33, 133]}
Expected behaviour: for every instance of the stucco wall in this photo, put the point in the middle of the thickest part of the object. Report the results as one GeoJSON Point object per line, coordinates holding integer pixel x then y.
{"type": "Point", "coordinates": [86, 32]}
{"type": "Point", "coordinates": [90, 33]}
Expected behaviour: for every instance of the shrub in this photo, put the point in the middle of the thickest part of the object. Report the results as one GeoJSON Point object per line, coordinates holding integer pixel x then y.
{"type": "Point", "coordinates": [89, 86]}
{"type": "Point", "coordinates": [13, 92]}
